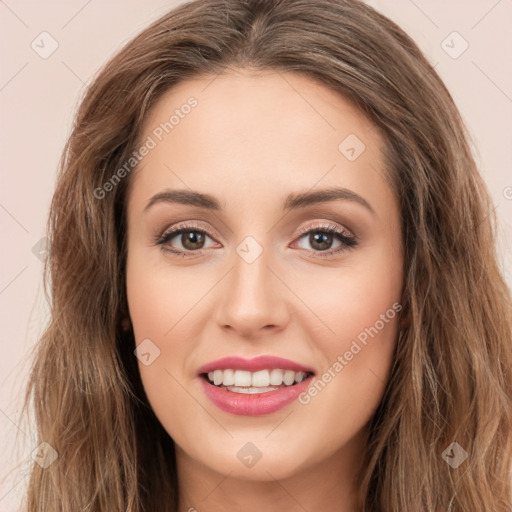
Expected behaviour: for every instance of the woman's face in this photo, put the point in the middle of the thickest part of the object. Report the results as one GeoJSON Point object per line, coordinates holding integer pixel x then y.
{"type": "Point", "coordinates": [291, 249]}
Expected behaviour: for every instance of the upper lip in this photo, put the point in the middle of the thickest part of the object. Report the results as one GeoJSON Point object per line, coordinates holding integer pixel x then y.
{"type": "Point", "coordinates": [253, 365]}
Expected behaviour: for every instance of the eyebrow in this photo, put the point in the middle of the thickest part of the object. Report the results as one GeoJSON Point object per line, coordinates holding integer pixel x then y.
{"type": "Point", "coordinates": [293, 201]}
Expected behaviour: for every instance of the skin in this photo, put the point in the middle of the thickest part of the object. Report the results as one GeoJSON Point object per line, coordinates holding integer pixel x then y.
{"type": "Point", "coordinates": [253, 139]}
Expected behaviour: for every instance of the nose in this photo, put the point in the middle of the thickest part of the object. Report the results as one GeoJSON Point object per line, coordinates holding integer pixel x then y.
{"type": "Point", "coordinates": [253, 301]}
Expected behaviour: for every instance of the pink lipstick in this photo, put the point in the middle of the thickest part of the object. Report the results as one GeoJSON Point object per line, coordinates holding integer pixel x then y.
{"type": "Point", "coordinates": [254, 387]}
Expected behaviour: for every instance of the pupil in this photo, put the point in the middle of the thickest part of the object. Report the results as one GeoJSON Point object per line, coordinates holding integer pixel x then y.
{"type": "Point", "coordinates": [323, 240]}
{"type": "Point", "coordinates": [190, 238]}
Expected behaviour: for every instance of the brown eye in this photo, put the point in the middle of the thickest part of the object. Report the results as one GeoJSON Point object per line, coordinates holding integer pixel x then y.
{"type": "Point", "coordinates": [326, 240]}
{"type": "Point", "coordinates": [192, 240]}
{"type": "Point", "coordinates": [184, 240]}
{"type": "Point", "coordinates": [320, 240]}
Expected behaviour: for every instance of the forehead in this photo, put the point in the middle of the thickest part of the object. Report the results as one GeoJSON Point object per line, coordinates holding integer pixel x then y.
{"type": "Point", "coordinates": [256, 132]}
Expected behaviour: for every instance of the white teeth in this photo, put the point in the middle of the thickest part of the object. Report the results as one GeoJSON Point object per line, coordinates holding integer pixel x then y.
{"type": "Point", "coordinates": [260, 379]}
{"type": "Point", "coordinates": [289, 377]}
{"type": "Point", "coordinates": [255, 382]}
{"type": "Point", "coordinates": [229, 378]}
{"type": "Point", "coordinates": [242, 378]}
{"type": "Point", "coordinates": [250, 390]}
{"type": "Point", "coordinates": [276, 377]}
{"type": "Point", "coordinates": [299, 377]}
{"type": "Point", "coordinates": [217, 377]}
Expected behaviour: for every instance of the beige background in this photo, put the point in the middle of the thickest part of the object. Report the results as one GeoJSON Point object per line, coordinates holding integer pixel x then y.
{"type": "Point", "coordinates": [38, 98]}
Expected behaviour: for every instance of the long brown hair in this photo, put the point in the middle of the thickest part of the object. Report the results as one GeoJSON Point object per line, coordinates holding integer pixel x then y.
{"type": "Point", "coordinates": [451, 380]}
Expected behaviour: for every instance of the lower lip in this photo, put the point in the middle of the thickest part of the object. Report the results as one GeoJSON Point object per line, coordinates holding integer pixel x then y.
{"type": "Point", "coordinates": [256, 404]}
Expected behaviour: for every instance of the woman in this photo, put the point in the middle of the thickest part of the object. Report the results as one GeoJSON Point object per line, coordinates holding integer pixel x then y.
{"type": "Point", "coordinates": [273, 278]}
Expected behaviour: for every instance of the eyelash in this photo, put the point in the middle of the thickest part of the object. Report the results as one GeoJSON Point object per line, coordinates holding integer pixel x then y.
{"type": "Point", "coordinates": [347, 241]}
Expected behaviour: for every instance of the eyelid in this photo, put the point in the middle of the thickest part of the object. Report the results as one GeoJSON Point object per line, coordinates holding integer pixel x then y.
{"type": "Point", "coordinates": [346, 238]}
{"type": "Point", "coordinates": [200, 225]}
{"type": "Point", "coordinates": [350, 240]}
{"type": "Point", "coordinates": [328, 225]}
{"type": "Point", "coordinates": [188, 225]}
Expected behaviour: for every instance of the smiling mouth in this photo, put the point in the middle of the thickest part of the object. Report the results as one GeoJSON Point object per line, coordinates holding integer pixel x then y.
{"type": "Point", "coordinates": [262, 381]}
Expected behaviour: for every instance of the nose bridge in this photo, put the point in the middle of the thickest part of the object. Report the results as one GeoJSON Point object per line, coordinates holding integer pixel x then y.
{"type": "Point", "coordinates": [252, 298]}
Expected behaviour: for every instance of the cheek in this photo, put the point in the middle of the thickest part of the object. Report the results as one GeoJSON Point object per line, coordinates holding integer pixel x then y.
{"type": "Point", "coordinates": [361, 308]}
{"type": "Point", "coordinates": [159, 296]}
{"type": "Point", "coordinates": [164, 304]}
{"type": "Point", "coordinates": [352, 303]}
